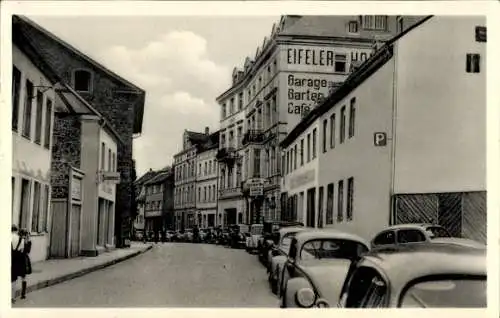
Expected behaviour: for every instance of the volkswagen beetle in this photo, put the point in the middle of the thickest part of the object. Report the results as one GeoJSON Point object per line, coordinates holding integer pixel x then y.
{"type": "Point", "coordinates": [318, 260]}
{"type": "Point", "coordinates": [427, 275]}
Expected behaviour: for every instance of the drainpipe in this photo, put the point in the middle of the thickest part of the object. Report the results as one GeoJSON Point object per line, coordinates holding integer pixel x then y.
{"type": "Point", "coordinates": [392, 205]}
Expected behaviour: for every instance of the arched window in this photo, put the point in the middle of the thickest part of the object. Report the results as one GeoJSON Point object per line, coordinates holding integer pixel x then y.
{"type": "Point", "coordinates": [82, 81]}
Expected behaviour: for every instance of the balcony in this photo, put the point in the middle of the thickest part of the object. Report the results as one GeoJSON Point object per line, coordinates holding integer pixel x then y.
{"type": "Point", "coordinates": [228, 155]}
{"type": "Point", "coordinates": [229, 192]}
{"type": "Point", "coordinates": [253, 136]}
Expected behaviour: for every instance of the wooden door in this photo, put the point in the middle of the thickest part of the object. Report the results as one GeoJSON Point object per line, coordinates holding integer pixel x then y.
{"type": "Point", "coordinates": [75, 230]}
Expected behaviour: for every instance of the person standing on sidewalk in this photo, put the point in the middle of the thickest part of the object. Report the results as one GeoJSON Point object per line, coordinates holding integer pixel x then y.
{"type": "Point", "coordinates": [17, 263]}
{"type": "Point", "coordinates": [27, 261]}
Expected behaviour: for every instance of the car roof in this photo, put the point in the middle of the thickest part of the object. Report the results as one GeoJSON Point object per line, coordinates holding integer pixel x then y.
{"type": "Point", "coordinates": [409, 226]}
{"type": "Point", "coordinates": [404, 263]}
{"type": "Point", "coordinates": [290, 229]}
{"type": "Point", "coordinates": [458, 240]}
{"type": "Point", "coordinates": [329, 234]}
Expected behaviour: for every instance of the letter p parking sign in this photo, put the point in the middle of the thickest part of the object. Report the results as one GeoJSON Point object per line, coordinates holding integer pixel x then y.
{"type": "Point", "coordinates": [380, 139]}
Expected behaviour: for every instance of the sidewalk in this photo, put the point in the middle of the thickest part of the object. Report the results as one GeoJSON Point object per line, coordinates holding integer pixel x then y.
{"type": "Point", "coordinates": [55, 271]}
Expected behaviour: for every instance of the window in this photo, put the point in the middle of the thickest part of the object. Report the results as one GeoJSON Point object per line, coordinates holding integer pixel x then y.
{"type": "Point", "coordinates": [340, 63]}
{"type": "Point", "coordinates": [25, 203]}
{"type": "Point", "coordinates": [38, 117]}
{"type": "Point", "coordinates": [410, 236]}
{"type": "Point", "coordinates": [321, 195]}
{"type": "Point", "coordinates": [36, 207]}
{"type": "Point", "coordinates": [308, 147]}
{"type": "Point", "coordinates": [240, 101]}
{"type": "Point", "coordinates": [385, 238]}
{"type": "Point", "coordinates": [350, 198]}
{"type": "Point", "coordinates": [27, 109]}
{"type": "Point", "coordinates": [223, 111]}
{"type": "Point", "coordinates": [206, 167]}
{"type": "Point", "coordinates": [400, 25]}
{"type": "Point", "coordinates": [353, 27]}
{"type": "Point", "coordinates": [377, 22]}
{"type": "Point", "coordinates": [315, 133]}
{"type": "Point", "coordinates": [48, 123]}
{"type": "Point", "coordinates": [342, 124]}
{"type": "Point", "coordinates": [109, 159]}
{"type": "Point", "coordinates": [295, 157]}
{"type": "Point", "coordinates": [287, 170]}
{"type": "Point", "coordinates": [16, 93]}
{"type": "Point", "coordinates": [340, 202]}
{"type": "Point", "coordinates": [473, 63]}
{"type": "Point", "coordinates": [103, 155]}
{"type": "Point", "coordinates": [82, 81]}
{"type": "Point", "coordinates": [302, 152]}
{"type": "Point", "coordinates": [291, 159]}
{"type": "Point", "coordinates": [332, 131]}
{"type": "Point", "coordinates": [325, 128]}
{"type": "Point", "coordinates": [329, 204]}
{"type": "Point", "coordinates": [352, 117]}
{"type": "Point", "coordinates": [256, 162]}
{"type": "Point", "coordinates": [204, 193]}
{"type": "Point", "coordinates": [13, 195]}
{"type": "Point", "coordinates": [480, 33]}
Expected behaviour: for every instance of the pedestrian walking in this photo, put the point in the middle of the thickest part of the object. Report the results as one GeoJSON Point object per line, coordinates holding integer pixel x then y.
{"type": "Point", "coordinates": [26, 238]}
{"type": "Point", "coordinates": [17, 262]}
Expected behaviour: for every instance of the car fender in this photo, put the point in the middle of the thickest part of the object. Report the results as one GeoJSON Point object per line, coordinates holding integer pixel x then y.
{"type": "Point", "coordinates": [292, 286]}
{"type": "Point", "coordinates": [277, 264]}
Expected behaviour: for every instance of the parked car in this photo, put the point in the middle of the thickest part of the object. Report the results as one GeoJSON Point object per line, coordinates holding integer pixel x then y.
{"type": "Point", "coordinates": [432, 275]}
{"type": "Point", "coordinates": [255, 231]}
{"type": "Point", "coordinates": [270, 237]}
{"type": "Point", "coordinates": [278, 254]}
{"type": "Point", "coordinates": [321, 258]}
{"type": "Point", "coordinates": [418, 233]}
{"type": "Point", "coordinates": [169, 236]}
{"type": "Point", "coordinates": [188, 235]}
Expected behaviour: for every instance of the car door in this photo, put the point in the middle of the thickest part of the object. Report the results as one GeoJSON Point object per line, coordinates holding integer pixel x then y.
{"type": "Point", "coordinates": [367, 289]}
{"type": "Point", "coordinates": [384, 238]}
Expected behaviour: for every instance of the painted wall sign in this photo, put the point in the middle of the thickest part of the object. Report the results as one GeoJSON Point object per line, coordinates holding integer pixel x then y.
{"type": "Point", "coordinates": [76, 188]}
{"type": "Point", "coordinates": [111, 177]}
{"type": "Point", "coordinates": [380, 139]}
{"type": "Point", "coordinates": [302, 179]}
{"type": "Point", "coordinates": [304, 91]}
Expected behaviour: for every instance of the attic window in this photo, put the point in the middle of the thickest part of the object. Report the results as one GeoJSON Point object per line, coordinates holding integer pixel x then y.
{"type": "Point", "coordinates": [82, 81]}
{"type": "Point", "coordinates": [353, 27]}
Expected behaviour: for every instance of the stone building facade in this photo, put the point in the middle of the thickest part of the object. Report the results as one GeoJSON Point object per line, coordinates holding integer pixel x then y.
{"type": "Point", "coordinates": [302, 60]}
{"type": "Point", "coordinates": [119, 101]}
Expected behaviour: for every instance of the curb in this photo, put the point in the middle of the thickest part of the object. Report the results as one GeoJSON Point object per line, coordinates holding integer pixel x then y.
{"type": "Point", "coordinates": [79, 273]}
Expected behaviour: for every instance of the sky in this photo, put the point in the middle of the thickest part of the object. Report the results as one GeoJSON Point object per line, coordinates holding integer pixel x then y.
{"type": "Point", "coordinates": [183, 64]}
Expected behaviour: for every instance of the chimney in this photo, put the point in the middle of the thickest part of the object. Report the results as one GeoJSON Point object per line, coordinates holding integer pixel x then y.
{"type": "Point", "coordinates": [207, 131]}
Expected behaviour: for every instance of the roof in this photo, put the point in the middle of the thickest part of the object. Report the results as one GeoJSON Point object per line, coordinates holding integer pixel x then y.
{"type": "Point", "coordinates": [404, 263]}
{"type": "Point", "coordinates": [291, 229]}
{"type": "Point", "coordinates": [329, 234]}
{"type": "Point", "coordinates": [23, 21]}
{"type": "Point", "coordinates": [362, 73]}
{"type": "Point", "coordinates": [159, 178]}
{"type": "Point", "coordinates": [20, 40]}
{"type": "Point", "coordinates": [147, 176]}
{"type": "Point", "coordinates": [66, 92]}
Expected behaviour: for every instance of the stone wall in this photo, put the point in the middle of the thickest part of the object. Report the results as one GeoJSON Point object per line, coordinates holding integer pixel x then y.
{"type": "Point", "coordinates": [66, 149]}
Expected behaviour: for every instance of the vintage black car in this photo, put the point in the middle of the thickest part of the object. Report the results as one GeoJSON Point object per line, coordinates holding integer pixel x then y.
{"type": "Point", "coordinates": [425, 275]}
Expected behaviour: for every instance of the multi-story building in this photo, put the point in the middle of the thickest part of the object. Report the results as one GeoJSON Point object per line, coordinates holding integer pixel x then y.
{"type": "Point", "coordinates": [120, 102]}
{"type": "Point", "coordinates": [140, 195]}
{"type": "Point", "coordinates": [185, 178]}
{"type": "Point", "coordinates": [159, 202]}
{"type": "Point", "coordinates": [402, 141]}
{"type": "Point", "coordinates": [294, 69]}
{"type": "Point", "coordinates": [206, 183]}
{"type": "Point", "coordinates": [33, 107]}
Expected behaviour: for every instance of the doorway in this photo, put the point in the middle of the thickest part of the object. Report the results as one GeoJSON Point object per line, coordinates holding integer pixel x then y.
{"type": "Point", "coordinates": [75, 217]}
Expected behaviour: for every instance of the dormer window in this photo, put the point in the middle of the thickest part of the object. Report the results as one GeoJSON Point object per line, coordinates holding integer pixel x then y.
{"type": "Point", "coordinates": [82, 81]}
{"type": "Point", "coordinates": [353, 27]}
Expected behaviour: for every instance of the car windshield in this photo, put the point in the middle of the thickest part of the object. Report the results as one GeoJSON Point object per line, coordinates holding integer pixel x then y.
{"type": "Point", "coordinates": [461, 293]}
{"type": "Point", "coordinates": [332, 248]}
{"type": "Point", "coordinates": [437, 231]}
